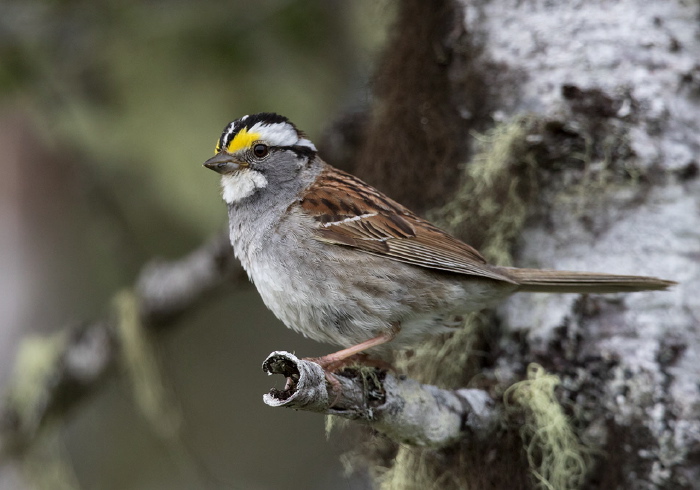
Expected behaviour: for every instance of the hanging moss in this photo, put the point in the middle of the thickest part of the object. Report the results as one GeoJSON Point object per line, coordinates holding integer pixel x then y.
{"type": "Point", "coordinates": [422, 477]}
{"type": "Point", "coordinates": [489, 209]}
{"type": "Point", "coordinates": [140, 357]}
{"type": "Point", "coordinates": [556, 458]}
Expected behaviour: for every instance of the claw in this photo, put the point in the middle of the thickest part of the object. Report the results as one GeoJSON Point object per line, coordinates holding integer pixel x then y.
{"type": "Point", "coordinates": [335, 387]}
{"type": "Point", "coordinates": [337, 360]}
{"type": "Point", "coordinates": [333, 366]}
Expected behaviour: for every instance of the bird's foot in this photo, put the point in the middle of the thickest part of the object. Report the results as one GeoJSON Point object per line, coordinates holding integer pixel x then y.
{"type": "Point", "coordinates": [332, 365]}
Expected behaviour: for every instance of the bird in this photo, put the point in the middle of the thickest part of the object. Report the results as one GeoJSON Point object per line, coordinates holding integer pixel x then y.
{"type": "Point", "coordinates": [340, 262]}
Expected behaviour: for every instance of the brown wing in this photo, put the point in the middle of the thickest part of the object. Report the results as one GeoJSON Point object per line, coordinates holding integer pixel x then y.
{"type": "Point", "coordinates": [352, 213]}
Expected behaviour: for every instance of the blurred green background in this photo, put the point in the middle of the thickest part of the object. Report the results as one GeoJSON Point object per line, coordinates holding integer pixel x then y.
{"type": "Point", "coordinates": [107, 110]}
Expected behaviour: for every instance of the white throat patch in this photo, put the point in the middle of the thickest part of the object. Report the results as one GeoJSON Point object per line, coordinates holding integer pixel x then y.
{"type": "Point", "coordinates": [241, 184]}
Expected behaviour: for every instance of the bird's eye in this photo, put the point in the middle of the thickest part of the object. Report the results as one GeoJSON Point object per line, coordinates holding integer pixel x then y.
{"type": "Point", "coordinates": [260, 150]}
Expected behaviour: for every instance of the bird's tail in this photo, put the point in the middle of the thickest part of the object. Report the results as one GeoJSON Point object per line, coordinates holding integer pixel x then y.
{"type": "Point", "coordinates": [546, 281]}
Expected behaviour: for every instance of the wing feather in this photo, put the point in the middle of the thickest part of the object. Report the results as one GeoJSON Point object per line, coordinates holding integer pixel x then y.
{"type": "Point", "coordinates": [354, 214]}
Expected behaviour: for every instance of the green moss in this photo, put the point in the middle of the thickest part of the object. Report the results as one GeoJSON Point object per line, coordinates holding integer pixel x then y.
{"type": "Point", "coordinates": [36, 365]}
{"type": "Point", "coordinates": [557, 459]}
{"type": "Point", "coordinates": [420, 477]}
{"type": "Point", "coordinates": [140, 357]}
{"type": "Point", "coordinates": [490, 208]}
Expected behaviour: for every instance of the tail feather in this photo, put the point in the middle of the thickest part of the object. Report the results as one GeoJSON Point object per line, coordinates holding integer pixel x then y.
{"type": "Point", "coordinates": [550, 281]}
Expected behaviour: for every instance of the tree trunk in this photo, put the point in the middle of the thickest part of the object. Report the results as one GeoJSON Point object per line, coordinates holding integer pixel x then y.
{"type": "Point", "coordinates": [590, 164]}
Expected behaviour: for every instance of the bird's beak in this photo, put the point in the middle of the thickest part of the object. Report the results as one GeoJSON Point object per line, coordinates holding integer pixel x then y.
{"type": "Point", "coordinates": [223, 163]}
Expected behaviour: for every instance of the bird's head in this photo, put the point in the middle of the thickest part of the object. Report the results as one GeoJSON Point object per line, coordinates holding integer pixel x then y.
{"type": "Point", "coordinates": [259, 151]}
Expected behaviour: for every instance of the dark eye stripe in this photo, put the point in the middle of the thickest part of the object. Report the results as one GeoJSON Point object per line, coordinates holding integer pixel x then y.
{"type": "Point", "coordinates": [302, 151]}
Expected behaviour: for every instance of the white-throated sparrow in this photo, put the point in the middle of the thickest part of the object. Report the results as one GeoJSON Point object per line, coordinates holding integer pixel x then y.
{"type": "Point", "coordinates": [340, 262]}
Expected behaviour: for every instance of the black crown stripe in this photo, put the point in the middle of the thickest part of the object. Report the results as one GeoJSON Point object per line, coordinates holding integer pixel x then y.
{"type": "Point", "coordinates": [267, 118]}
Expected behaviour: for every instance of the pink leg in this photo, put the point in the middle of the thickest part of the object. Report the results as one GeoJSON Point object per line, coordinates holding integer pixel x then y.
{"type": "Point", "coordinates": [335, 359]}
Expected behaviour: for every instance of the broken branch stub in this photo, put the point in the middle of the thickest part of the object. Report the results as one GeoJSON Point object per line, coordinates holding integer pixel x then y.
{"type": "Point", "coordinates": [401, 408]}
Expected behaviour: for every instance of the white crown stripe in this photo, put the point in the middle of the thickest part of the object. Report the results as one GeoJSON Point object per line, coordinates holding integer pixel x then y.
{"type": "Point", "coordinates": [306, 143]}
{"type": "Point", "coordinates": [279, 134]}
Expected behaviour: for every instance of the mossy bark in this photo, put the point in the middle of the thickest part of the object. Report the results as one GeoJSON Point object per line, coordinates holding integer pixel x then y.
{"type": "Point", "coordinates": [588, 165]}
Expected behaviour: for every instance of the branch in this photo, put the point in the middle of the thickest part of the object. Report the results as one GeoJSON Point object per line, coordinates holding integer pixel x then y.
{"type": "Point", "coordinates": [74, 362]}
{"type": "Point", "coordinates": [168, 289]}
{"type": "Point", "coordinates": [401, 408]}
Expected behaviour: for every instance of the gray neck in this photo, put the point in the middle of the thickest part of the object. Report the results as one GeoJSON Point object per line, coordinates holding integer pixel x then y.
{"type": "Point", "coordinates": [253, 218]}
